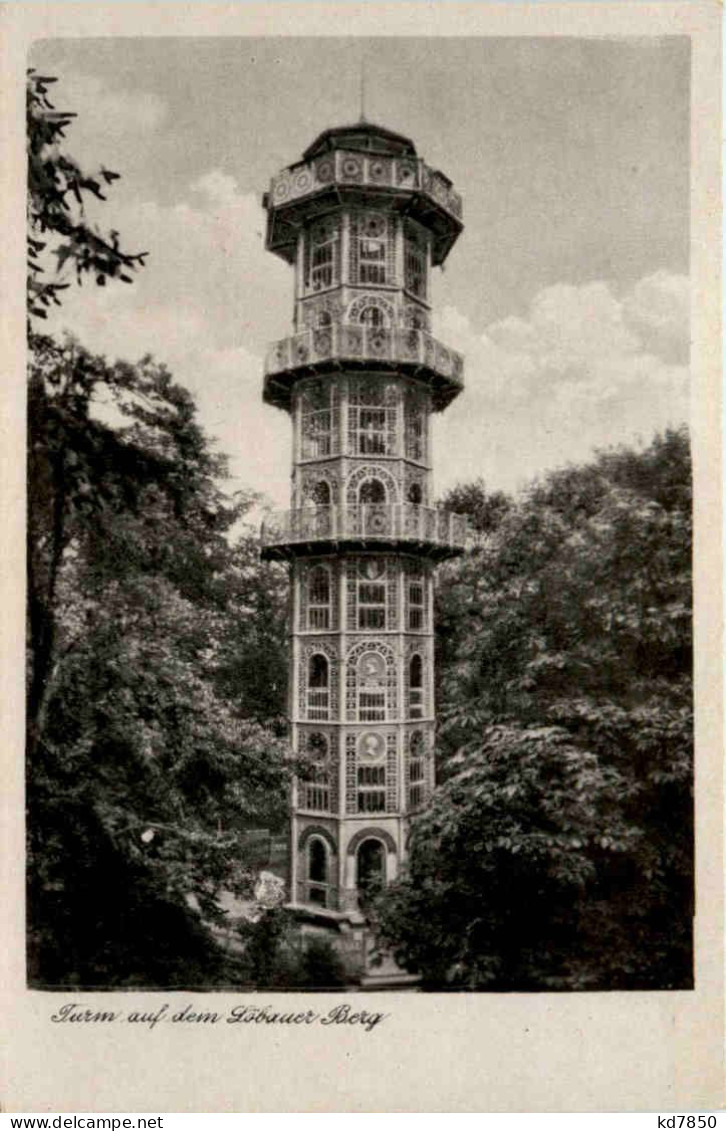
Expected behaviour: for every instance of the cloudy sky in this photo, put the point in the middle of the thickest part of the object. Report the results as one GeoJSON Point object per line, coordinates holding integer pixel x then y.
{"type": "Point", "coordinates": [567, 292]}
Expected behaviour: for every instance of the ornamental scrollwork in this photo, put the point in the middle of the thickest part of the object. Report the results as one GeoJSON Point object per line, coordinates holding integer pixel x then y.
{"type": "Point", "coordinates": [363, 302]}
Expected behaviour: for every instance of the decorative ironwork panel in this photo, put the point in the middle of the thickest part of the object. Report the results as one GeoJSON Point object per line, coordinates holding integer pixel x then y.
{"type": "Point", "coordinates": [372, 249]}
{"type": "Point", "coordinates": [417, 406]}
{"type": "Point", "coordinates": [342, 341]}
{"type": "Point", "coordinates": [318, 596]}
{"type": "Point", "coordinates": [371, 773]}
{"type": "Point", "coordinates": [417, 681]}
{"type": "Point", "coordinates": [415, 486]}
{"type": "Point", "coordinates": [391, 773]}
{"type": "Point", "coordinates": [375, 522]}
{"type": "Point", "coordinates": [418, 763]}
{"type": "Point", "coordinates": [319, 486]}
{"type": "Point", "coordinates": [415, 317]}
{"type": "Point", "coordinates": [407, 173]}
{"type": "Point", "coordinates": [393, 572]}
{"type": "Point", "coordinates": [416, 254]}
{"type": "Point", "coordinates": [430, 781]}
{"type": "Point", "coordinates": [416, 582]}
{"type": "Point", "coordinates": [356, 310]}
{"type": "Point", "coordinates": [323, 343]}
{"type": "Point", "coordinates": [321, 268]}
{"type": "Point", "coordinates": [351, 771]}
{"type": "Point", "coordinates": [370, 472]}
{"type": "Point", "coordinates": [318, 703]}
{"type": "Point", "coordinates": [318, 405]}
{"type": "Point", "coordinates": [443, 359]}
{"type": "Point", "coordinates": [318, 787]}
{"type": "Point", "coordinates": [371, 682]}
{"type": "Point", "coordinates": [325, 169]}
{"type": "Point", "coordinates": [351, 341]}
{"type": "Point", "coordinates": [372, 593]}
{"type": "Point", "coordinates": [379, 171]}
{"type": "Point", "coordinates": [323, 310]}
{"type": "Point", "coordinates": [372, 414]}
{"type": "Point", "coordinates": [350, 168]}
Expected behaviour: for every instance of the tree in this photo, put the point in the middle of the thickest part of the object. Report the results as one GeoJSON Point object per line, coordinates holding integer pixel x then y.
{"type": "Point", "coordinates": [146, 760]}
{"type": "Point", "coordinates": [253, 665]}
{"type": "Point", "coordinates": [57, 221]}
{"type": "Point", "coordinates": [572, 673]}
{"type": "Point", "coordinates": [484, 509]}
{"type": "Point", "coordinates": [455, 594]}
{"type": "Point", "coordinates": [142, 771]}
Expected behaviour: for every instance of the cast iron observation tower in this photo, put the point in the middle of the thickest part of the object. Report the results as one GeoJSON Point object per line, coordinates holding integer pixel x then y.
{"type": "Point", "coordinates": [362, 220]}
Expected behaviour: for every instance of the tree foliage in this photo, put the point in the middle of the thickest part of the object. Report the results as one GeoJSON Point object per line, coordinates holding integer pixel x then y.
{"type": "Point", "coordinates": [144, 764]}
{"type": "Point", "coordinates": [150, 749]}
{"type": "Point", "coordinates": [558, 851]}
{"type": "Point", "coordinates": [57, 218]}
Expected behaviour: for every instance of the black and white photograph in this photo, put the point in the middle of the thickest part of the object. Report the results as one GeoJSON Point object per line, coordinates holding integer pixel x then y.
{"type": "Point", "coordinates": [360, 637]}
{"type": "Point", "coordinates": [363, 656]}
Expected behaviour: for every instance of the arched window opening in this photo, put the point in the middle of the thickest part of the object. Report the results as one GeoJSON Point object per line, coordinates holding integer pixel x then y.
{"type": "Point", "coordinates": [371, 774]}
{"type": "Point", "coordinates": [415, 687]}
{"type": "Point", "coordinates": [370, 868]}
{"type": "Point", "coordinates": [317, 871]}
{"type": "Point", "coordinates": [316, 787]}
{"type": "Point", "coordinates": [371, 492]}
{"type": "Point", "coordinates": [372, 316]}
{"type": "Point", "coordinates": [371, 683]}
{"type": "Point", "coordinates": [319, 598]}
{"type": "Point", "coordinates": [323, 320]}
{"type": "Point", "coordinates": [318, 687]}
{"type": "Point", "coordinates": [317, 494]}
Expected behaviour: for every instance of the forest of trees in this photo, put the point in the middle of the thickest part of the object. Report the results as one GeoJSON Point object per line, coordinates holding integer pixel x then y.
{"type": "Point", "coordinates": [557, 852]}
{"type": "Point", "coordinates": [156, 660]}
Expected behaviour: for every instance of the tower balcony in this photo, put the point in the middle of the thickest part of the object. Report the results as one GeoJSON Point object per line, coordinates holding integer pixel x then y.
{"type": "Point", "coordinates": [399, 526]}
{"type": "Point", "coordinates": [346, 176]}
{"type": "Point", "coordinates": [353, 346]}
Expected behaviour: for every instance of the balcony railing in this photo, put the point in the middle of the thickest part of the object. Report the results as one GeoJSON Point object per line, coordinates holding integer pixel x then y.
{"type": "Point", "coordinates": [351, 342]}
{"type": "Point", "coordinates": [344, 167]}
{"type": "Point", "coordinates": [368, 522]}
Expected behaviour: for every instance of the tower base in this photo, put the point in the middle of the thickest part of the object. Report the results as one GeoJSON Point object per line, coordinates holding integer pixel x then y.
{"type": "Point", "coordinates": [350, 935]}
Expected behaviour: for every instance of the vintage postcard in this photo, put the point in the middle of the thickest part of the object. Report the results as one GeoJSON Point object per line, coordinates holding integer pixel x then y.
{"type": "Point", "coordinates": [365, 748]}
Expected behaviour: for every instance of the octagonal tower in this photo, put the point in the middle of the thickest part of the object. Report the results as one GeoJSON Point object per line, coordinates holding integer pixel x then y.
{"type": "Point", "coordinates": [362, 220]}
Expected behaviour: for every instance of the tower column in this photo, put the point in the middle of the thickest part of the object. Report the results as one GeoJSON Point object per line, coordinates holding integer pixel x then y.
{"type": "Point", "coordinates": [362, 220]}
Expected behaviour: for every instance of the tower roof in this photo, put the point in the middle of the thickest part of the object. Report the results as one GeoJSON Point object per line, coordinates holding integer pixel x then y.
{"type": "Point", "coordinates": [363, 136]}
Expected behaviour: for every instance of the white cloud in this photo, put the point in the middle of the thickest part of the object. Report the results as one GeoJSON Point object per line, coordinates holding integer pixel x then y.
{"type": "Point", "coordinates": [217, 186]}
{"type": "Point", "coordinates": [584, 369]}
{"type": "Point", "coordinates": [105, 117]}
{"type": "Point", "coordinates": [658, 309]}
